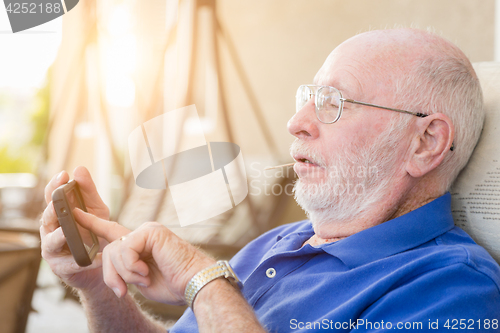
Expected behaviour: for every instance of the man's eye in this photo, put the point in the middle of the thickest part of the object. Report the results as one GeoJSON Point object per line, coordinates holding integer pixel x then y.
{"type": "Point", "coordinates": [332, 102]}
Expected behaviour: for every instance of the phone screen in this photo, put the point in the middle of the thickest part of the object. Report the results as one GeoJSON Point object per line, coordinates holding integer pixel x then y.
{"type": "Point", "coordinates": [74, 202]}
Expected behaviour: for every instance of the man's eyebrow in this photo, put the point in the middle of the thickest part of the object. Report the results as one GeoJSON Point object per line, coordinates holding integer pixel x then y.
{"type": "Point", "coordinates": [348, 91]}
{"type": "Point", "coordinates": [339, 85]}
{"type": "Point", "coordinates": [353, 91]}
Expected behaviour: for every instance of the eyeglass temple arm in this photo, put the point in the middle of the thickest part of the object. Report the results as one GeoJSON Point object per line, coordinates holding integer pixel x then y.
{"type": "Point", "coordinates": [418, 114]}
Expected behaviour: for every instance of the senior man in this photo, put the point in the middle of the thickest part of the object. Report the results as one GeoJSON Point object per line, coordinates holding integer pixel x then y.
{"type": "Point", "coordinates": [391, 119]}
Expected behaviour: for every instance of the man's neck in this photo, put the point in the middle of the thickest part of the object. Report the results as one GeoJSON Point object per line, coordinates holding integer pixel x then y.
{"type": "Point", "coordinates": [332, 231]}
{"type": "Point", "coordinates": [316, 241]}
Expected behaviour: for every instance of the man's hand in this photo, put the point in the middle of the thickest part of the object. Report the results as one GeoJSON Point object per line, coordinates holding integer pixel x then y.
{"type": "Point", "coordinates": [156, 260]}
{"type": "Point", "coordinates": [54, 248]}
{"type": "Point", "coordinates": [154, 257]}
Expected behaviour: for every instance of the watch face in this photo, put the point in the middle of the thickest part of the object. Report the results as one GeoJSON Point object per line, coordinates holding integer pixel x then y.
{"type": "Point", "coordinates": [231, 275]}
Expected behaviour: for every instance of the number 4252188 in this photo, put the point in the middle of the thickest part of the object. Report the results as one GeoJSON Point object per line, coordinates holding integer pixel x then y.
{"type": "Point", "coordinates": [470, 324]}
{"type": "Point", "coordinates": [33, 8]}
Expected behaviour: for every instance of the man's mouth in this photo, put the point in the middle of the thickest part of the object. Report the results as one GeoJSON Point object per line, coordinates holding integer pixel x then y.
{"type": "Point", "coordinates": [306, 160]}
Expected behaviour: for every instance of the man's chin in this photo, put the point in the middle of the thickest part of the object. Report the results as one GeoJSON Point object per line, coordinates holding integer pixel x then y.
{"type": "Point", "coordinates": [309, 195]}
{"type": "Point", "coordinates": [326, 202]}
{"type": "Point", "coordinates": [335, 212]}
{"type": "Point", "coordinates": [311, 185]}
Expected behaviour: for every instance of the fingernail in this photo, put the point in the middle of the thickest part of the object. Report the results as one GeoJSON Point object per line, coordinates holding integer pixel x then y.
{"type": "Point", "coordinates": [59, 176]}
{"type": "Point", "coordinates": [117, 292]}
{"type": "Point", "coordinates": [143, 285]}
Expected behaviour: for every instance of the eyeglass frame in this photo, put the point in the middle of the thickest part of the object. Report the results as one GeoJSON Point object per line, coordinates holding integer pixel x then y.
{"type": "Point", "coordinates": [348, 100]}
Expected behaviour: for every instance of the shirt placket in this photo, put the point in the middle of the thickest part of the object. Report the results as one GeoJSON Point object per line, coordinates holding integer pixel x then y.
{"type": "Point", "coordinates": [273, 269]}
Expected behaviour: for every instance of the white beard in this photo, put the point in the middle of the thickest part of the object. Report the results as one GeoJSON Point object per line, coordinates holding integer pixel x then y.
{"type": "Point", "coordinates": [358, 178]}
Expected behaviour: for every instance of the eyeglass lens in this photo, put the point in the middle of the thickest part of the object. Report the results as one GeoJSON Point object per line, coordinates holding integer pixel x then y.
{"type": "Point", "coordinates": [327, 101]}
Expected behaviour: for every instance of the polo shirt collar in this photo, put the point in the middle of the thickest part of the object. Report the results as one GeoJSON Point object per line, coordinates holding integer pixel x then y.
{"type": "Point", "coordinates": [394, 236]}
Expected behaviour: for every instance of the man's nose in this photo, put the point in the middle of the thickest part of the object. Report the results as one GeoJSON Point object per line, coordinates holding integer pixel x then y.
{"type": "Point", "coordinates": [304, 124]}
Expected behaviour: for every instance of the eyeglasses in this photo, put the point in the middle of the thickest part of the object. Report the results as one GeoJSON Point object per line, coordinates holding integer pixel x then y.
{"type": "Point", "coordinates": [329, 103]}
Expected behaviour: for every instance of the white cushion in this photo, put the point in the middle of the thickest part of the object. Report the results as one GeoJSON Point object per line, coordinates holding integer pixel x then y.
{"type": "Point", "coordinates": [476, 193]}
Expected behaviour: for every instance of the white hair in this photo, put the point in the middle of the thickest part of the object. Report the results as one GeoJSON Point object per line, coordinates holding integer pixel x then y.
{"type": "Point", "coordinates": [445, 82]}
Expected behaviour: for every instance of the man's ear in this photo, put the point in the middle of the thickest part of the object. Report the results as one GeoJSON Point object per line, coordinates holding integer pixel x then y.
{"type": "Point", "coordinates": [434, 139]}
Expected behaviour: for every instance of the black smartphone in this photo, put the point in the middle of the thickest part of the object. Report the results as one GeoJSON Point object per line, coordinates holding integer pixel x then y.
{"type": "Point", "coordinates": [82, 243]}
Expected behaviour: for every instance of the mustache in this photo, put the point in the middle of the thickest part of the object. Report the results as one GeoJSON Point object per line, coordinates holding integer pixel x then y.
{"type": "Point", "coordinates": [299, 147]}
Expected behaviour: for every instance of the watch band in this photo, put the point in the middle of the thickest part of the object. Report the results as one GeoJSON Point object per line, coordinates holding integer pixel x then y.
{"type": "Point", "coordinates": [220, 269]}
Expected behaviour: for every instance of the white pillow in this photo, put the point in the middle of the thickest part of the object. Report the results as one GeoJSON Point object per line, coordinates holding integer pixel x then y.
{"type": "Point", "coordinates": [476, 193]}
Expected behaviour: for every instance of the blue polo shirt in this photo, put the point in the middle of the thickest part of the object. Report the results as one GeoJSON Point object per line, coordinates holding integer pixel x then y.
{"type": "Point", "coordinates": [417, 272]}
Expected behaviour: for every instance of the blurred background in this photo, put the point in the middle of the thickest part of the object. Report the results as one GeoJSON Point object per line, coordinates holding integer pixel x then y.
{"type": "Point", "coordinates": [73, 89]}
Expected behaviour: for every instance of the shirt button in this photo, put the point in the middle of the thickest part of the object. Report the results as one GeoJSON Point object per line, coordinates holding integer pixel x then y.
{"type": "Point", "coordinates": [270, 273]}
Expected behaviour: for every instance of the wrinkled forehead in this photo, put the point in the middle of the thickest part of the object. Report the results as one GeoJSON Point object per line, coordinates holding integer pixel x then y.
{"type": "Point", "coordinates": [342, 73]}
{"type": "Point", "coordinates": [365, 66]}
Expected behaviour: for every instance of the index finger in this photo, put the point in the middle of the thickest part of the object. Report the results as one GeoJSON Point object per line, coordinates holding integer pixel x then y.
{"type": "Point", "coordinates": [108, 230]}
{"type": "Point", "coordinates": [56, 181]}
